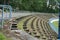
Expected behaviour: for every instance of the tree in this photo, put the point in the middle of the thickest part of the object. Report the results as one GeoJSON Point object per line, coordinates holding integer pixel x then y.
{"type": "Point", "coordinates": [32, 5]}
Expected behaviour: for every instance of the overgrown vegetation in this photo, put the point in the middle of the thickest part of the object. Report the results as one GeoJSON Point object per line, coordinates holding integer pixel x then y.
{"type": "Point", "coordinates": [33, 5]}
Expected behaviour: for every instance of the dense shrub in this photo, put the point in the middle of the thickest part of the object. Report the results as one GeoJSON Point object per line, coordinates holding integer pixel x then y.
{"type": "Point", "coordinates": [32, 5]}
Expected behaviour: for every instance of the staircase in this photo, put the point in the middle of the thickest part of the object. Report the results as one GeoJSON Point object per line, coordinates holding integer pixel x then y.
{"type": "Point", "coordinates": [14, 26]}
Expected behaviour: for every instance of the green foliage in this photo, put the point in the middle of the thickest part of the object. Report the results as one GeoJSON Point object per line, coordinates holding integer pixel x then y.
{"type": "Point", "coordinates": [33, 5]}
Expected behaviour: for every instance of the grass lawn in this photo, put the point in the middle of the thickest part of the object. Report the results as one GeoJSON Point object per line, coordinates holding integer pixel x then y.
{"type": "Point", "coordinates": [2, 37]}
{"type": "Point", "coordinates": [56, 23]}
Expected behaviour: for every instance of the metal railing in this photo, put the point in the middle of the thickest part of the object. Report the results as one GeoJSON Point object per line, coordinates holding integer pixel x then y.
{"type": "Point", "coordinates": [7, 7]}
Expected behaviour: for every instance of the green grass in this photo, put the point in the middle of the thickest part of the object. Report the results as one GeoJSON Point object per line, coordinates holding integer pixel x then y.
{"type": "Point", "coordinates": [2, 36]}
{"type": "Point", "coordinates": [20, 24]}
{"type": "Point", "coordinates": [55, 23]}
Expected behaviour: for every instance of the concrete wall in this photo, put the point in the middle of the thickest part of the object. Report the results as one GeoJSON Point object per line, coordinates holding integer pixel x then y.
{"type": "Point", "coordinates": [52, 26]}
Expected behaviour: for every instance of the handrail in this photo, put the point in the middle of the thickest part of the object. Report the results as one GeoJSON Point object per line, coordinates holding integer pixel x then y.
{"type": "Point", "coordinates": [10, 9]}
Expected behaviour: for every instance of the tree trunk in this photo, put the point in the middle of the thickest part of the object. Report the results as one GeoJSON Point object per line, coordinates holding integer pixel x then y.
{"type": "Point", "coordinates": [4, 2]}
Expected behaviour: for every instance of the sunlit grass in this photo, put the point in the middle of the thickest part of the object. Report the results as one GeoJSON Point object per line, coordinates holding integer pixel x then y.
{"type": "Point", "coordinates": [20, 24]}
{"type": "Point", "coordinates": [56, 23]}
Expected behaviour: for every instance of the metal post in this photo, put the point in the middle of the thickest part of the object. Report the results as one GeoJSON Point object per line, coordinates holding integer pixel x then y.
{"type": "Point", "coordinates": [59, 23]}
{"type": "Point", "coordinates": [2, 17]}
{"type": "Point", "coordinates": [10, 12]}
